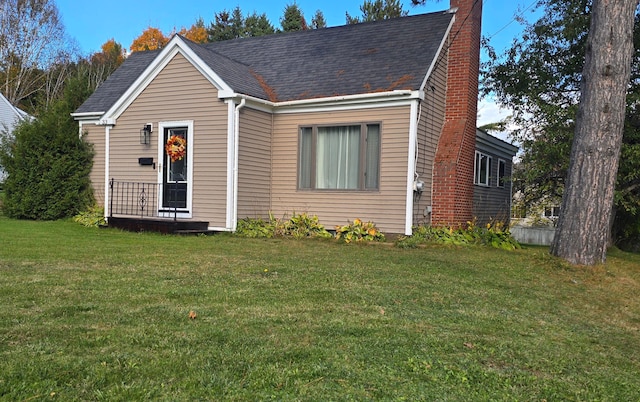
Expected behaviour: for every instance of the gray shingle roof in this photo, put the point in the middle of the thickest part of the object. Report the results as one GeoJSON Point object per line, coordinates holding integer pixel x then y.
{"type": "Point", "coordinates": [345, 60]}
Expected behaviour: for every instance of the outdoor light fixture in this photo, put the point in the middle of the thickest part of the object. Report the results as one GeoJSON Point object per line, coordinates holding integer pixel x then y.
{"type": "Point", "coordinates": [145, 134]}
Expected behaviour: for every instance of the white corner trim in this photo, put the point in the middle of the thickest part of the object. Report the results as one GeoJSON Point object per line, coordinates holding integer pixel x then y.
{"type": "Point", "coordinates": [107, 189]}
{"type": "Point", "coordinates": [411, 166]}
{"type": "Point", "coordinates": [176, 45]}
{"type": "Point", "coordinates": [231, 107]}
{"type": "Point", "coordinates": [438, 54]}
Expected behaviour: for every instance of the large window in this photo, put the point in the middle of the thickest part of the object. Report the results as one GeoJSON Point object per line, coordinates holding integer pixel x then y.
{"type": "Point", "coordinates": [339, 157]}
{"type": "Point", "coordinates": [482, 169]}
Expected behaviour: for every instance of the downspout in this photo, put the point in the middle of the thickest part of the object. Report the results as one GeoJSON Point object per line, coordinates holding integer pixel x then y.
{"type": "Point", "coordinates": [411, 167]}
{"type": "Point", "coordinates": [107, 189]}
{"type": "Point", "coordinates": [236, 140]}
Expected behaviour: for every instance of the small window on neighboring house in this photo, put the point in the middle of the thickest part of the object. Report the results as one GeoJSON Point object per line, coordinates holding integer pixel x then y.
{"type": "Point", "coordinates": [482, 169]}
{"type": "Point", "coordinates": [551, 212]}
{"type": "Point", "coordinates": [502, 166]}
{"type": "Point", "coordinates": [339, 157]}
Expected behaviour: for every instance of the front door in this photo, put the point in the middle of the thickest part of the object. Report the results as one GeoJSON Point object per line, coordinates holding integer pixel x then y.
{"type": "Point", "coordinates": [175, 170]}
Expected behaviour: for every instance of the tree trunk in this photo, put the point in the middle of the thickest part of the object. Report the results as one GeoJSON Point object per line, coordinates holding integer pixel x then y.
{"type": "Point", "coordinates": [582, 234]}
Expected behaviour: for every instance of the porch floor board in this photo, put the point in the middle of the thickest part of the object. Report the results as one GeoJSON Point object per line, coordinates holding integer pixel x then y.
{"type": "Point", "coordinates": [167, 226]}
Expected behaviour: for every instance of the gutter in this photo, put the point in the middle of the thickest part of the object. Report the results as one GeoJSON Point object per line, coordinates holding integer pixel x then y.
{"type": "Point", "coordinates": [358, 98]}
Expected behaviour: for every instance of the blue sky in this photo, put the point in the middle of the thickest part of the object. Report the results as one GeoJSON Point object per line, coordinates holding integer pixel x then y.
{"type": "Point", "coordinates": [92, 23]}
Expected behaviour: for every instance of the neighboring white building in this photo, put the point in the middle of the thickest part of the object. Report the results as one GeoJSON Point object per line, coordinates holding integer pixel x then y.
{"type": "Point", "coordinates": [10, 116]}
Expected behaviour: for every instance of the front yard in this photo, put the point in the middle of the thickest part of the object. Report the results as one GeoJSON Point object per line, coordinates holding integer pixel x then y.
{"type": "Point", "coordinates": [94, 314]}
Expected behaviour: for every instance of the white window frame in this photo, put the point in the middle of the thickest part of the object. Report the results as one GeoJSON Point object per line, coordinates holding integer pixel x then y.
{"type": "Point", "coordinates": [502, 178]}
{"type": "Point", "coordinates": [477, 171]}
{"type": "Point", "coordinates": [184, 213]}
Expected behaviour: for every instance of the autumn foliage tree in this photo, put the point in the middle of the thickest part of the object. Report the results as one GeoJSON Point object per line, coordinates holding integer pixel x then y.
{"type": "Point", "coordinates": [151, 39]}
{"type": "Point", "coordinates": [105, 62]}
{"type": "Point", "coordinates": [197, 33]}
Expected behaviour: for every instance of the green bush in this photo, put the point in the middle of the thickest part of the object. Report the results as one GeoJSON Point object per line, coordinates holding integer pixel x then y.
{"type": "Point", "coordinates": [47, 164]}
{"type": "Point", "coordinates": [359, 231]}
{"type": "Point", "coordinates": [495, 235]}
{"type": "Point", "coordinates": [298, 226]}
{"type": "Point", "coordinates": [91, 217]}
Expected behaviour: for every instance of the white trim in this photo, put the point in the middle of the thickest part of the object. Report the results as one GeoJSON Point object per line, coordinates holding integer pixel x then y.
{"type": "Point", "coordinates": [107, 192]}
{"type": "Point", "coordinates": [328, 104]}
{"type": "Point", "coordinates": [475, 169]}
{"type": "Point", "coordinates": [218, 229]}
{"type": "Point", "coordinates": [504, 162]}
{"type": "Point", "coordinates": [434, 62]}
{"type": "Point", "coordinates": [411, 165]}
{"type": "Point", "coordinates": [231, 107]}
{"type": "Point", "coordinates": [176, 45]}
{"type": "Point", "coordinates": [162, 125]}
{"type": "Point", "coordinates": [236, 141]}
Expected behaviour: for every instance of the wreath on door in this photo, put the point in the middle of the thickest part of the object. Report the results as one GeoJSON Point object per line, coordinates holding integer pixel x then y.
{"type": "Point", "coordinates": [176, 148]}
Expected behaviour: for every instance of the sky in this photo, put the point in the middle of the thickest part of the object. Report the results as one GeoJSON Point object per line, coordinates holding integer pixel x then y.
{"type": "Point", "coordinates": [92, 23]}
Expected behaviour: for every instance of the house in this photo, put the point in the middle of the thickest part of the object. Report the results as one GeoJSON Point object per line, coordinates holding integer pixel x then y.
{"type": "Point", "coordinates": [10, 116]}
{"type": "Point", "coordinates": [493, 165]}
{"type": "Point", "coordinates": [375, 121]}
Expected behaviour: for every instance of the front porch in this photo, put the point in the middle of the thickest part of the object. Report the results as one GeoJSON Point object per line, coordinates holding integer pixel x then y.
{"type": "Point", "coordinates": [161, 225]}
{"type": "Point", "coordinates": [134, 206]}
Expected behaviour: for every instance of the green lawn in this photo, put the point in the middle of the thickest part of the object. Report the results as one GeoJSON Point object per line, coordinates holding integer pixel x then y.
{"type": "Point", "coordinates": [98, 314]}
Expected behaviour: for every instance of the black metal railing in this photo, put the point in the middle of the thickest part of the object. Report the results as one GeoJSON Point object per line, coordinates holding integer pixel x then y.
{"type": "Point", "coordinates": [141, 199]}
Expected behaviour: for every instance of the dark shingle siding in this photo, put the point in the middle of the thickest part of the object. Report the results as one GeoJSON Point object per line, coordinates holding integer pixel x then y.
{"type": "Point", "coordinates": [117, 84]}
{"type": "Point", "coordinates": [346, 60]}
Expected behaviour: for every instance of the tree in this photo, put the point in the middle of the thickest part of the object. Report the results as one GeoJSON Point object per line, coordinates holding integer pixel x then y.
{"type": "Point", "coordinates": [293, 19]}
{"type": "Point", "coordinates": [258, 25]}
{"type": "Point", "coordinates": [150, 39]}
{"type": "Point", "coordinates": [378, 10]}
{"type": "Point", "coordinates": [582, 235]}
{"type": "Point", "coordinates": [318, 20]}
{"type": "Point", "coordinates": [48, 163]}
{"type": "Point", "coordinates": [234, 25]}
{"type": "Point", "coordinates": [227, 25]}
{"type": "Point", "coordinates": [32, 41]}
{"type": "Point", "coordinates": [197, 33]}
{"type": "Point", "coordinates": [539, 78]}
{"type": "Point", "coordinates": [105, 62]}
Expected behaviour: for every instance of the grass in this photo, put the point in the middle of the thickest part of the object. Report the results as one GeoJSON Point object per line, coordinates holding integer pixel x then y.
{"type": "Point", "coordinates": [94, 314]}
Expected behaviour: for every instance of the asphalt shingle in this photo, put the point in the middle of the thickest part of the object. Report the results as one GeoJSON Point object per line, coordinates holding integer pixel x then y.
{"type": "Point", "coordinates": [345, 60]}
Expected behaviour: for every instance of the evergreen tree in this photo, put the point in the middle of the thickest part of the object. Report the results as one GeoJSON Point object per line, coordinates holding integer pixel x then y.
{"type": "Point", "coordinates": [293, 19]}
{"type": "Point", "coordinates": [378, 10]}
{"type": "Point", "coordinates": [318, 20]}
{"type": "Point", "coordinates": [47, 162]}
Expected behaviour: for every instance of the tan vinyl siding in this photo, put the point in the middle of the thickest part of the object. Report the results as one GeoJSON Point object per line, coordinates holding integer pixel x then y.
{"type": "Point", "coordinates": [386, 207]}
{"type": "Point", "coordinates": [178, 93]}
{"type": "Point", "coordinates": [432, 110]}
{"type": "Point", "coordinates": [254, 164]}
{"type": "Point", "coordinates": [95, 135]}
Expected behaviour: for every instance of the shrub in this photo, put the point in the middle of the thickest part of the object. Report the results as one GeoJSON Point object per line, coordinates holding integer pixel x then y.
{"type": "Point", "coordinates": [359, 231]}
{"type": "Point", "coordinates": [298, 226]}
{"type": "Point", "coordinates": [91, 217]}
{"type": "Point", "coordinates": [495, 235]}
{"type": "Point", "coordinates": [47, 164]}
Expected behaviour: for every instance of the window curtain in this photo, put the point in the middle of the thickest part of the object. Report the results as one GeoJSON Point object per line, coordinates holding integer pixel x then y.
{"type": "Point", "coordinates": [338, 157]}
{"type": "Point", "coordinates": [373, 156]}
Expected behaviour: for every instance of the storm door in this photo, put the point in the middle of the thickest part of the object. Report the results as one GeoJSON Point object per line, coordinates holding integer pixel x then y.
{"type": "Point", "coordinates": [175, 169]}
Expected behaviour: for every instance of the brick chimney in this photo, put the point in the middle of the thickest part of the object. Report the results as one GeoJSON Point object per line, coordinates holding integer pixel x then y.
{"type": "Point", "coordinates": [453, 167]}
